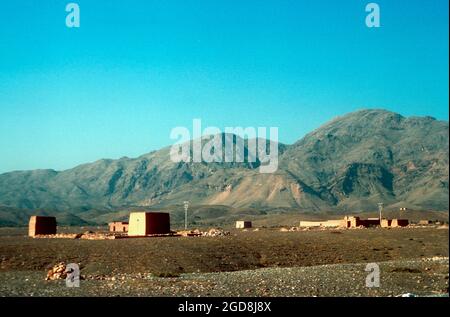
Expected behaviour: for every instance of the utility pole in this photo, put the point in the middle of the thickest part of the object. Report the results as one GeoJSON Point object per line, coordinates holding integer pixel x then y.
{"type": "Point", "coordinates": [186, 206]}
{"type": "Point", "coordinates": [380, 209]}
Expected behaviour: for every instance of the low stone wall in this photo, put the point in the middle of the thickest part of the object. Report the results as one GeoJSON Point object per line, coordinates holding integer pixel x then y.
{"type": "Point", "coordinates": [327, 223]}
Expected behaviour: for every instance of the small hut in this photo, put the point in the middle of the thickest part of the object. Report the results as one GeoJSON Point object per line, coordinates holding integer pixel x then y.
{"type": "Point", "coordinates": [243, 224]}
{"type": "Point", "coordinates": [399, 223]}
{"type": "Point", "coordinates": [118, 226]}
{"type": "Point", "coordinates": [40, 225]}
{"type": "Point", "coordinates": [148, 223]}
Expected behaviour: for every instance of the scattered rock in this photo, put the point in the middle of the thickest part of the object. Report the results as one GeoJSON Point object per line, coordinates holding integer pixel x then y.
{"type": "Point", "coordinates": [58, 272]}
{"type": "Point", "coordinates": [189, 233]}
{"type": "Point", "coordinates": [87, 235]}
{"type": "Point", "coordinates": [214, 232]}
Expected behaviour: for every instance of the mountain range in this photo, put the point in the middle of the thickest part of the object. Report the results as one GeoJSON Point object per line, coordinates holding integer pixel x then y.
{"type": "Point", "coordinates": [347, 165]}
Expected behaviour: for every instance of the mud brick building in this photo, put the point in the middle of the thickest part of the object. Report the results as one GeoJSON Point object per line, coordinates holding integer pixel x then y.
{"type": "Point", "coordinates": [118, 226]}
{"type": "Point", "coordinates": [386, 223]}
{"type": "Point", "coordinates": [243, 224]}
{"type": "Point", "coordinates": [354, 222]}
{"type": "Point", "coordinates": [40, 225]}
{"type": "Point", "coordinates": [399, 223]}
{"type": "Point", "coordinates": [148, 223]}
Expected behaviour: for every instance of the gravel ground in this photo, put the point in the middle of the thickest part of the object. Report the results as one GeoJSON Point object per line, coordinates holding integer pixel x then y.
{"type": "Point", "coordinates": [422, 277]}
{"type": "Point", "coordinates": [242, 250]}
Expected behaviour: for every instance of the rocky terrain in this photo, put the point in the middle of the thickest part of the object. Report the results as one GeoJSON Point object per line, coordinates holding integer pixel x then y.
{"type": "Point", "coordinates": [267, 262]}
{"type": "Point", "coordinates": [406, 278]}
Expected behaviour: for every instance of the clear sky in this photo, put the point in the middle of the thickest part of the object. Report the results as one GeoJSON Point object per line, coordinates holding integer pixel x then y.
{"type": "Point", "coordinates": [134, 70]}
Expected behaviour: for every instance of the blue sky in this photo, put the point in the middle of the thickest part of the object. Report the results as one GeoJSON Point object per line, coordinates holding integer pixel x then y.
{"type": "Point", "coordinates": [136, 69]}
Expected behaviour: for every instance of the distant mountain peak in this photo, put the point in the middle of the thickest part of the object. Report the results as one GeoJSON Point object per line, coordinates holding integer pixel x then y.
{"type": "Point", "coordinates": [348, 164]}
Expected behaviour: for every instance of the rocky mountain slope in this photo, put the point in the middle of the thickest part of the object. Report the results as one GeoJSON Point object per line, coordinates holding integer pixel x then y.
{"type": "Point", "coordinates": [348, 164]}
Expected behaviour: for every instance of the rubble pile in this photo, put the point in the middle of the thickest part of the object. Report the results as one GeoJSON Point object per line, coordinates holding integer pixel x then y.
{"type": "Point", "coordinates": [215, 233]}
{"type": "Point", "coordinates": [290, 229]}
{"type": "Point", "coordinates": [88, 235]}
{"type": "Point", "coordinates": [58, 272]}
{"type": "Point", "coordinates": [190, 233]}
{"type": "Point", "coordinates": [96, 236]}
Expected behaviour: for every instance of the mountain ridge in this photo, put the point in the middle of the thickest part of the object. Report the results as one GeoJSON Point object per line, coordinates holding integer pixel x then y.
{"type": "Point", "coordinates": [348, 164]}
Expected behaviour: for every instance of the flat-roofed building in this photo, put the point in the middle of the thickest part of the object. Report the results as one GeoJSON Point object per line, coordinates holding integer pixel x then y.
{"type": "Point", "coordinates": [148, 223]}
{"type": "Point", "coordinates": [41, 225]}
{"type": "Point", "coordinates": [399, 223]}
{"type": "Point", "coordinates": [243, 224]}
{"type": "Point", "coordinates": [118, 226]}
